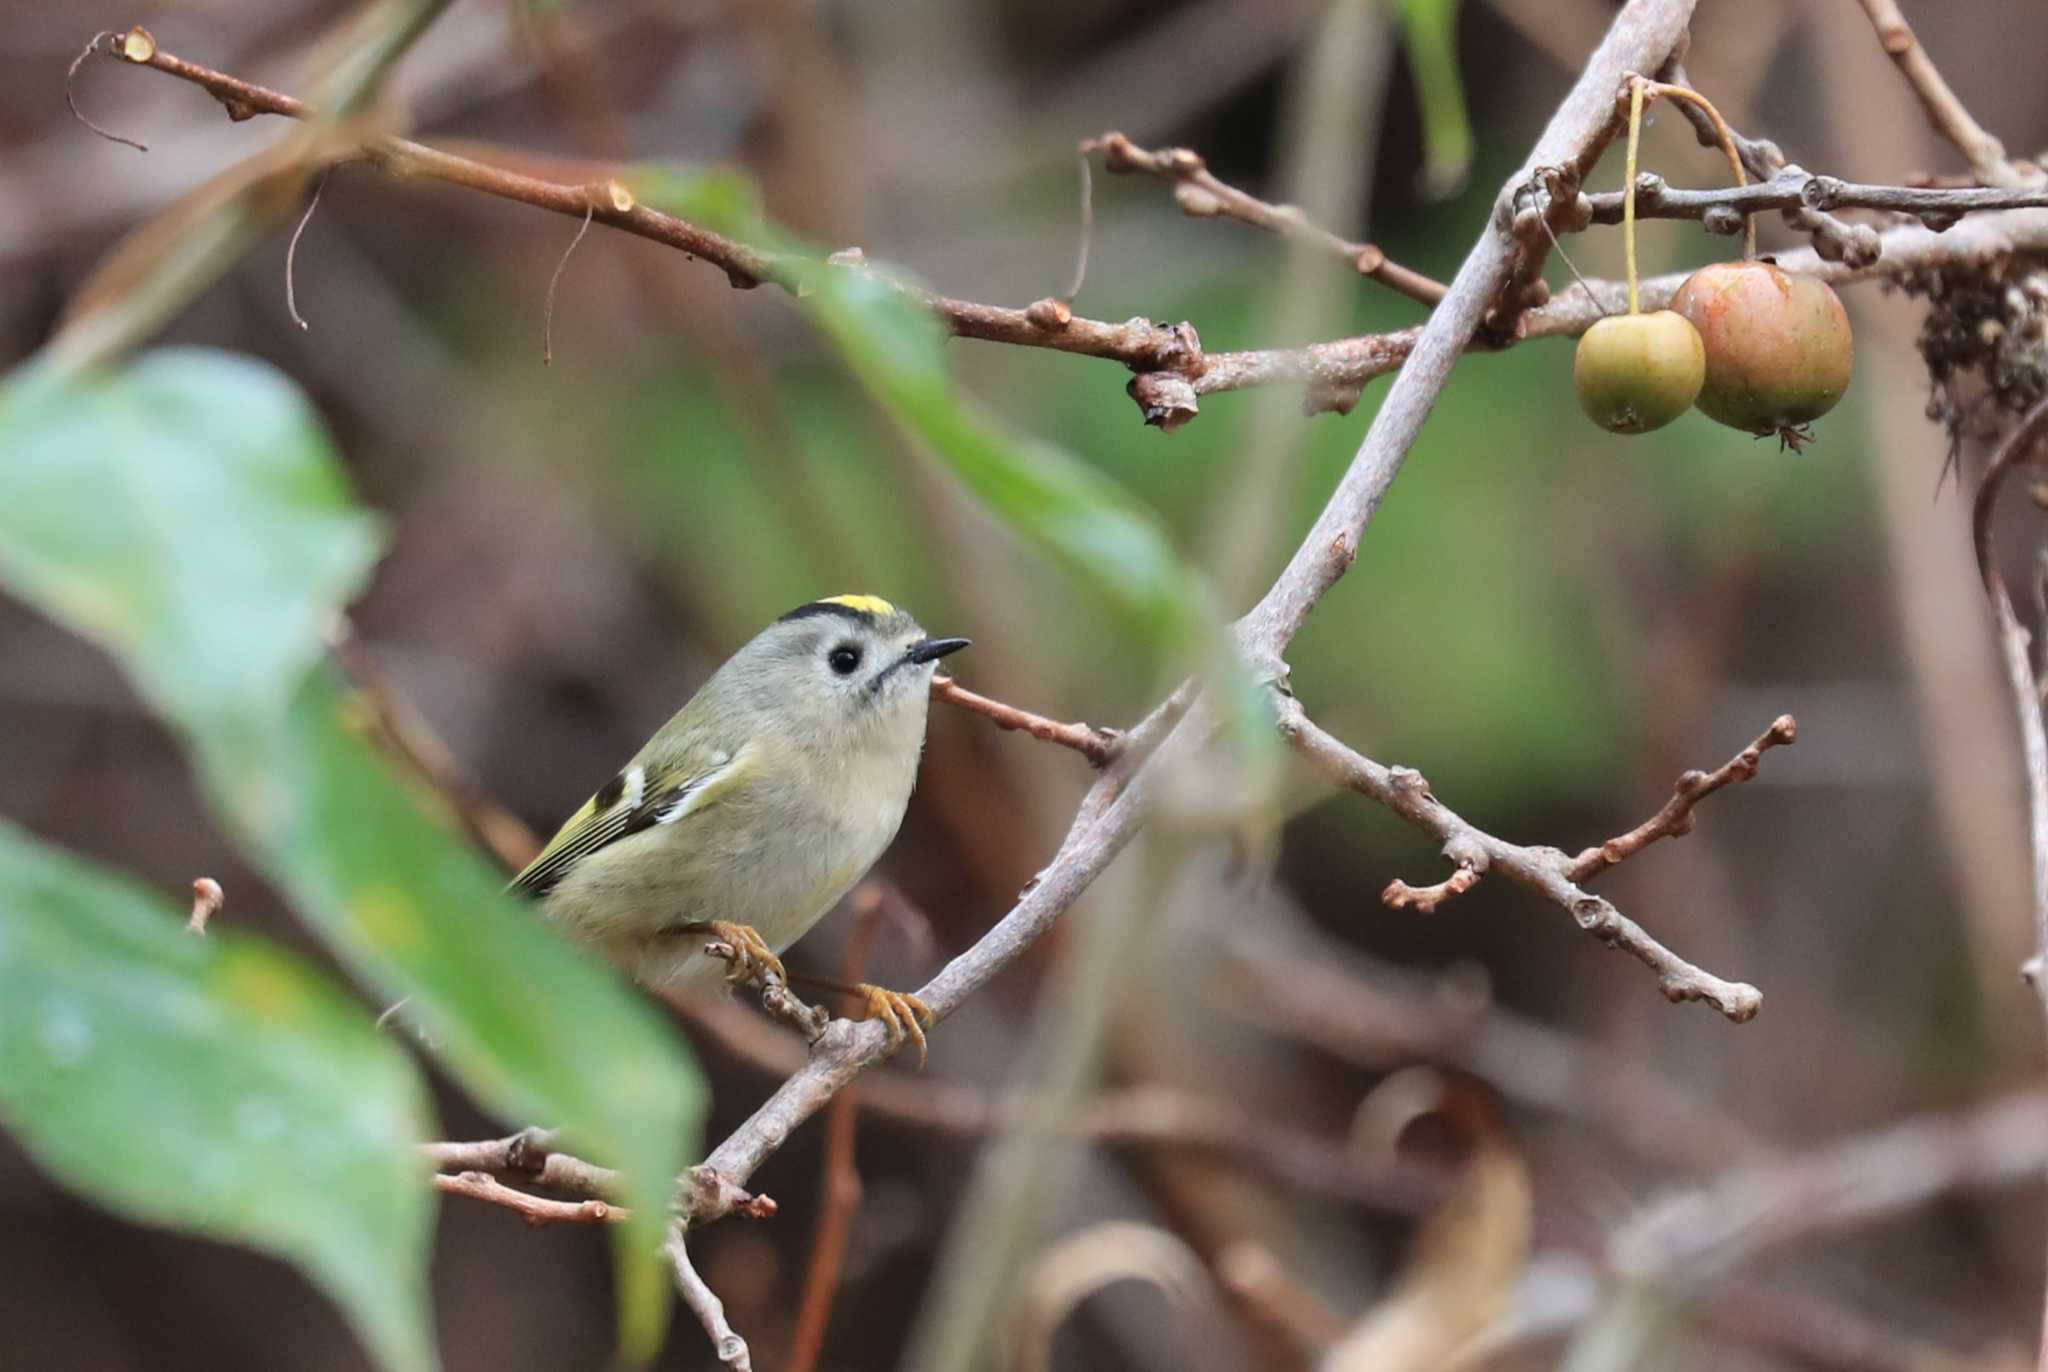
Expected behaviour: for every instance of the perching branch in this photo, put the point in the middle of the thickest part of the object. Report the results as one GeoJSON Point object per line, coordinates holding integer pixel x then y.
{"type": "Point", "coordinates": [1643, 36]}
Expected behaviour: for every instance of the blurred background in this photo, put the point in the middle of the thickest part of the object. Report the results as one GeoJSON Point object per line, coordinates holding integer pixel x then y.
{"type": "Point", "coordinates": [1549, 622]}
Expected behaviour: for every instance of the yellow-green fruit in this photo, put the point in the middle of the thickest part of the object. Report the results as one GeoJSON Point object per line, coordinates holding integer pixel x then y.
{"type": "Point", "coordinates": [1779, 351]}
{"type": "Point", "coordinates": [1638, 372]}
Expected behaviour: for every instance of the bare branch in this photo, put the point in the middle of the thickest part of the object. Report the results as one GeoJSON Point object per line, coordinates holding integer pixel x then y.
{"type": "Point", "coordinates": [529, 1207]}
{"type": "Point", "coordinates": [1984, 153]}
{"type": "Point", "coordinates": [1643, 36]}
{"type": "Point", "coordinates": [1203, 196]}
{"type": "Point", "coordinates": [1399, 895]}
{"type": "Point", "coordinates": [1676, 818]}
{"type": "Point", "coordinates": [705, 1305]}
{"type": "Point", "coordinates": [1172, 369]}
{"type": "Point", "coordinates": [1794, 188]}
{"type": "Point", "coordinates": [1545, 871]}
{"type": "Point", "coordinates": [1100, 746]}
{"type": "Point", "coordinates": [528, 1156]}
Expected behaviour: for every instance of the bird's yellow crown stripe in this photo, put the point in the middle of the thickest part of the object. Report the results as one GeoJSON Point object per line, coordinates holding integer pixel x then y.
{"type": "Point", "coordinates": [866, 604]}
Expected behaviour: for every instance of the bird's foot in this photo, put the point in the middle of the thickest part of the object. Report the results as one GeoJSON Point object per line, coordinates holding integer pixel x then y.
{"type": "Point", "coordinates": [749, 959]}
{"type": "Point", "coordinates": [902, 1014]}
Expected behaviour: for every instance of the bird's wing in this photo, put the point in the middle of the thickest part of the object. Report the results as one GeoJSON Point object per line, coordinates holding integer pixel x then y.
{"type": "Point", "coordinates": [640, 797]}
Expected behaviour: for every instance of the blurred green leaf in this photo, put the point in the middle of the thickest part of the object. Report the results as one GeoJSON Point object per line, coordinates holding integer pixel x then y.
{"type": "Point", "coordinates": [189, 513]}
{"type": "Point", "coordinates": [216, 1084]}
{"type": "Point", "coordinates": [1430, 30]}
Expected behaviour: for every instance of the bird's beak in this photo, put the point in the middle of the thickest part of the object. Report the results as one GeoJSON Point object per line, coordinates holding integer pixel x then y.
{"type": "Point", "coordinates": [932, 649]}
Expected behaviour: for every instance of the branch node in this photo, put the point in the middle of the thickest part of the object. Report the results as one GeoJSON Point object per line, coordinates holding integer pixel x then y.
{"type": "Point", "coordinates": [1166, 399]}
{"type": "Point", "coordinates": [1049, 314]}
{"type": "Point", "coordinates": [207, 898]}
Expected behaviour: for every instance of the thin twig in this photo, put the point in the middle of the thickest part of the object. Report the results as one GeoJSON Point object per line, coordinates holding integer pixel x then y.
{"type": "Point", "coordinates": [291, 251]}
{"type": "Point", "coordinates": [1100, 746]}
{"type": "Point", "coordinates": [703, 1302]}
{"type": "Point", "coordinates": [547, 322]}
{"type": "Point", "coordinates": [1203, 196]}
{"type": "Point", "coordinates": [99, 40]}
{"type": "Point", "coordinates": [1676, 817]}
{"type": "Point", "coordinates": [1545, 871]}
{"type": "Point", "coordinates": [1983, 151]}
{"type": "Point", "coordinates": [529, 1207]}
{"type": "Point", "coordinates": [530, 1157]}
{"type": "Point", "coordinates": [1399, 895]}
{"type": "Point", "coordinates": [1792, 188]}
{"type": "Point", "coordinates": [206, 902]}
{"type": "Point", "coordinates": [2020, 448]}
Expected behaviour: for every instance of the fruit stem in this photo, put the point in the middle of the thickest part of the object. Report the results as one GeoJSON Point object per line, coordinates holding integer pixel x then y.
{"type": "Point", "coordinates": [1628, 185]}
{"type": "Point", "coordinates": [1727, 137]}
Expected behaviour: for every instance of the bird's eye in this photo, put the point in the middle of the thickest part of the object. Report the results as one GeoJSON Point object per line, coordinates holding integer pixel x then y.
{"type": "Point", "coordinates": [845, 659]}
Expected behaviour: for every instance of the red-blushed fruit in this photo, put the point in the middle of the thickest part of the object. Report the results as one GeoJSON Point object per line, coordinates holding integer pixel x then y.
{"type": "Point", "coordinates": [1779, 352]}
{"type": "Point", "coordinates": [1638, 372]}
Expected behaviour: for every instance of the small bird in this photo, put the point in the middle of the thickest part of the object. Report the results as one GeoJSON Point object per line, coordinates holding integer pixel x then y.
{"type": "Point", "coordinates": [756, 807]}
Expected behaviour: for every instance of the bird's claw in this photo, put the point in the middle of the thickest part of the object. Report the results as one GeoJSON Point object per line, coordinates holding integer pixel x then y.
{"type": "Point", "coordinates": [902, 1014]}
{"type": "Point", "coordinates": [749, 959]}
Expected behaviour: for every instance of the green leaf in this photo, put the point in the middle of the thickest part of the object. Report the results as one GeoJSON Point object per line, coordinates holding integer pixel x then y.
{"type": "Point", "coordinates": [1430, 28]}
{"type": "Point", "coordinates": [189, 513]}
{"type": "Point", "coordinates": [215, 1084]}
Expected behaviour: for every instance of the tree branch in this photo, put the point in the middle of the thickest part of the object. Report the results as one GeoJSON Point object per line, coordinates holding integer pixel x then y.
{"type": "Point", "coordinates": [1795, 188]}
{"type": "Point", "coordinates": [1172, 369]}
{"type": "Point", "coordinates": [1676, 818]}
{"type": "Point", "coordinates": [1100, 746]}
{"type": "Point", "coordinates": [1203, 196]}
{"type": "Point", "coordinates": [1984, 153]}
{"type": "Point", "coordinates": [1546, 871]}
{"type": "Point", "coordinates": [2019, 449]}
